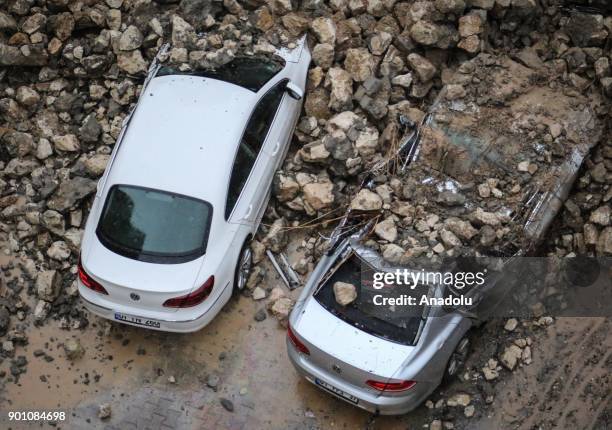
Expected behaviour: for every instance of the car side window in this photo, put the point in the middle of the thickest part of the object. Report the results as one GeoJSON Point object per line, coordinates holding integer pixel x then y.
{"type": "Point", "coordinates": [252, 141]}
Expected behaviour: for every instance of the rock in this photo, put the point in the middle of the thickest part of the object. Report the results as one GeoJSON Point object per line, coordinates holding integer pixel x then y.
{"type": "Point", "coordinates": [435, 425]}
{"type": "Point", "coordinates": [486, 218]}
{"type": "Point", "coordinates": [393, 253]}
{"type": "Point", "coordinates": [285, 188]}
{"type": "Point", "coordinates": [104, 411]}
{"type": "Point", "coordinates": [280, 7]}
{"type": "Point", "coordinates": [341, 89]}
{"type": "Point", "coordinates": [227, 404]}
{"type": "Point", "coordinates": [470, 25]}
{"type": "Point", "coordinates": [367, 142]}
{"type": "Point", "coordinates": [48, 284]}
{"type": "Point", "coordinates": [90, 130]}
{"type": "Point", "coordinates": [281, 309]}
{"type": "Point", "coordinates": [260, 315]}
{"type": "Point", "coordinates": [258, 293]}
{"type": "Point", "coordinates": [449, 239]}
{"type": "Point", "coordinates": [212, 381]}
{"type": "Point", "coordinates": [66, 143]}
{"type": "Point", "coordinates": [324, 29]}
{"type": "Point", "coordinates": [319, 195]}
{"type": "Point", "coordinates": [344, 293]}
{"type": "Point", "coordinates": [403, 80]}
{"type": "Point", "coordinates": [54, 222]}
{"type": "Point", "coordinates": [70, 192]}
{"type": "Point", "coordinates": [359, 63]}
{"type": "Point", "coordinates": [366, 200]}
{"type": "Point", "coordinates": [59, 250]}
{"type": "Point", "coordinates": [459, 399]}
{"type": "Point", "coordinates": [604, 243]}
{"type": "Point", "coordinates": [463, 229]}
{"type": "Point", "coordinates": [276, 239]}
{"type": "Point", "coordinates": [425, 33]}
{"type": "Point", "coordinates": [63, 25]}
{"type": "Point", "coordinates": [511, 324]}
{"type": "Point", "coordinates": [469, 411]}
{"type": "Point", "coordinates": [96, 164]}
{"type": "Point", "coordinates": [132, 62]}
{"type": "Point", "coordinates": [7, 23]}
{"type": "Point", "coordinates": [255, 277]}
{"type": "Point", "coordinates": [41, 311]}
{"type": "Point", "coordinates": [510, 357]}
{"type": "Point", "coordinates": [183, 34]}
{"type": "Point", "coordinates": [386, 230]}
{"type": "Point", "coordinates": [317, 104]}
{"type": "Point", "coordinates": [422, 67]}
{"type": "Point", "coordinates": [490, 371]}
{"type": "Point", "coordinates": [601, 215]}
{"type": "Point", "coordinates": [27, 96]}
{"type": "Point", "coordinates": [73, 349]}
{"type": "Point", "coordinates": [296, 24]}
{"type": "Point", "coordinates": [585, 29]}
{"type": "Point", "coordinates": [454, 92]}
{"type": "Point", "coordinates": [18, 144]}
{"type": "Point", "coordinates": [379, 43]}
{"type": "Point", "coordinates": [323, 56]}
{"type": "Point", "coordinates": [130, 39]}
{"type": "Point", "coordinates": [526, 355]}
{"type": "Point", "coordinates": [455, 7]}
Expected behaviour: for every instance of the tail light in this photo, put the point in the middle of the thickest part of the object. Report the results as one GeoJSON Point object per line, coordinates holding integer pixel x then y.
{"type": "Point", "coordinates": [88, 281]}
{"type": "Point", "coordinates": [192, 299]}
{"type": "Point", "coordinates": [296, 342]}
{"type": "Point", "coordinates": [391, 386]}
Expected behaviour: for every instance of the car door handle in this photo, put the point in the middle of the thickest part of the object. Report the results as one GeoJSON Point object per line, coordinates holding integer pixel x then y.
{"type": "Point", "coordinates": [276, 148]}
{"type": "Point", "coordinates": [248, 213]}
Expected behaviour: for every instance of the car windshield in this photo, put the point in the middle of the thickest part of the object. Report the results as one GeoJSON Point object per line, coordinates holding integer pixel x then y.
{"type": "Point", "coordinates": [399, 324]}
{"type": "Point", "coordinates": [251, 73]}
{"type": "Point", "coordinates": [154, 226]}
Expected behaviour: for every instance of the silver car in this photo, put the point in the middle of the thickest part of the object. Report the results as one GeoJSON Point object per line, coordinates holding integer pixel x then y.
{"type": "Point", "coordinates": [378, 358]}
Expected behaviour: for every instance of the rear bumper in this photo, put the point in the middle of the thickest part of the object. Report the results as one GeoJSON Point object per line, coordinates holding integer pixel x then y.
{"type": "Point", "coordinates": [174, 322]}
{"type": "Point", "coordinates": [380, 404]}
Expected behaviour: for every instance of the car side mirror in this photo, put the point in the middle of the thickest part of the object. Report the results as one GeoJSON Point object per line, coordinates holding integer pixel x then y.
{"type": "Point", "coordinates": [294, 91]}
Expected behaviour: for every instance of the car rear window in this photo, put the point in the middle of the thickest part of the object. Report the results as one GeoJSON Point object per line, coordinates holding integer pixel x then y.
{"type": "Point", "coordinates": [251, 73]}
{"type": "Point", "coordinates": [154, 226]}
{"type": "Point", "coordinates": [395, 323]}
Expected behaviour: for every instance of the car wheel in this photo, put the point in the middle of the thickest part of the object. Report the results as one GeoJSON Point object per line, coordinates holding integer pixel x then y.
{"type": "Point", "coordinates": [243, 267]}
{"type": "Point", "coordinates": [457, 359]}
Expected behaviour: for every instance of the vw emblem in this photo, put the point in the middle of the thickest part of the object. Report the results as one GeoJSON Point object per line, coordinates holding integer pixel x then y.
{"type": "Point", "coordinates": [134, 297]}
{"type": "Point", "coordinates": [336, 368]}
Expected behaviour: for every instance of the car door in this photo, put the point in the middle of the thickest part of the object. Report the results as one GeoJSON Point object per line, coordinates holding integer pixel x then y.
{"type": "Point", "coordinates": [279, 139]}
{"type": "Point", "coordinates": [253, 167]}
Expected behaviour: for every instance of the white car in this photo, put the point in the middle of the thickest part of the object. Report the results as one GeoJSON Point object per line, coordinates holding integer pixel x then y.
{"type": "Point", "coordinates": [167, 239]}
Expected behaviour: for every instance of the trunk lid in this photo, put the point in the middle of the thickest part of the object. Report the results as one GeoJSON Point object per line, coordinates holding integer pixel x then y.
{"type": "Point", "coordinates": [139, 284]}
{"type": "Point", "coordinates": [335, 344]}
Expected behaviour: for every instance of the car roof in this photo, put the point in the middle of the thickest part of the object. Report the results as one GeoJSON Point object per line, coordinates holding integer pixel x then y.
{"type": "Point", "coordinates": [183, 136]}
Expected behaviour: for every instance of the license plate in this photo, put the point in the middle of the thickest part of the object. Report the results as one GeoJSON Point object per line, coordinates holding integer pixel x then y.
{"type": "Point", "coordinates": [137, 320]}
{"type": "Point", "coordinates": [338, 392]}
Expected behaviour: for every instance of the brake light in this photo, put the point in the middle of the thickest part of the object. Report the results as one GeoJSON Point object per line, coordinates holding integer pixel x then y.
{"type": "Point", "coordinates": [296, 342]}
{"type": "Point", "coordinates": [88, 281]}
{"type": "Point", "coordinates": [192, 299]}
{"type": "Point", "coordinates": [391, 386]}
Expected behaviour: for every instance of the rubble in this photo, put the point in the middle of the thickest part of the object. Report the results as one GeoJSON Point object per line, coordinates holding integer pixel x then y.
{"type": "Point", "coordinates": [72, 74]}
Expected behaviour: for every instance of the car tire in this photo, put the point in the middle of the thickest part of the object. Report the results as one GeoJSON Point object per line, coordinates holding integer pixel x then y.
{"type": "Point", "coordinates": [457, 359]}
{"type": "Point", "coordinates": [243, 266]}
